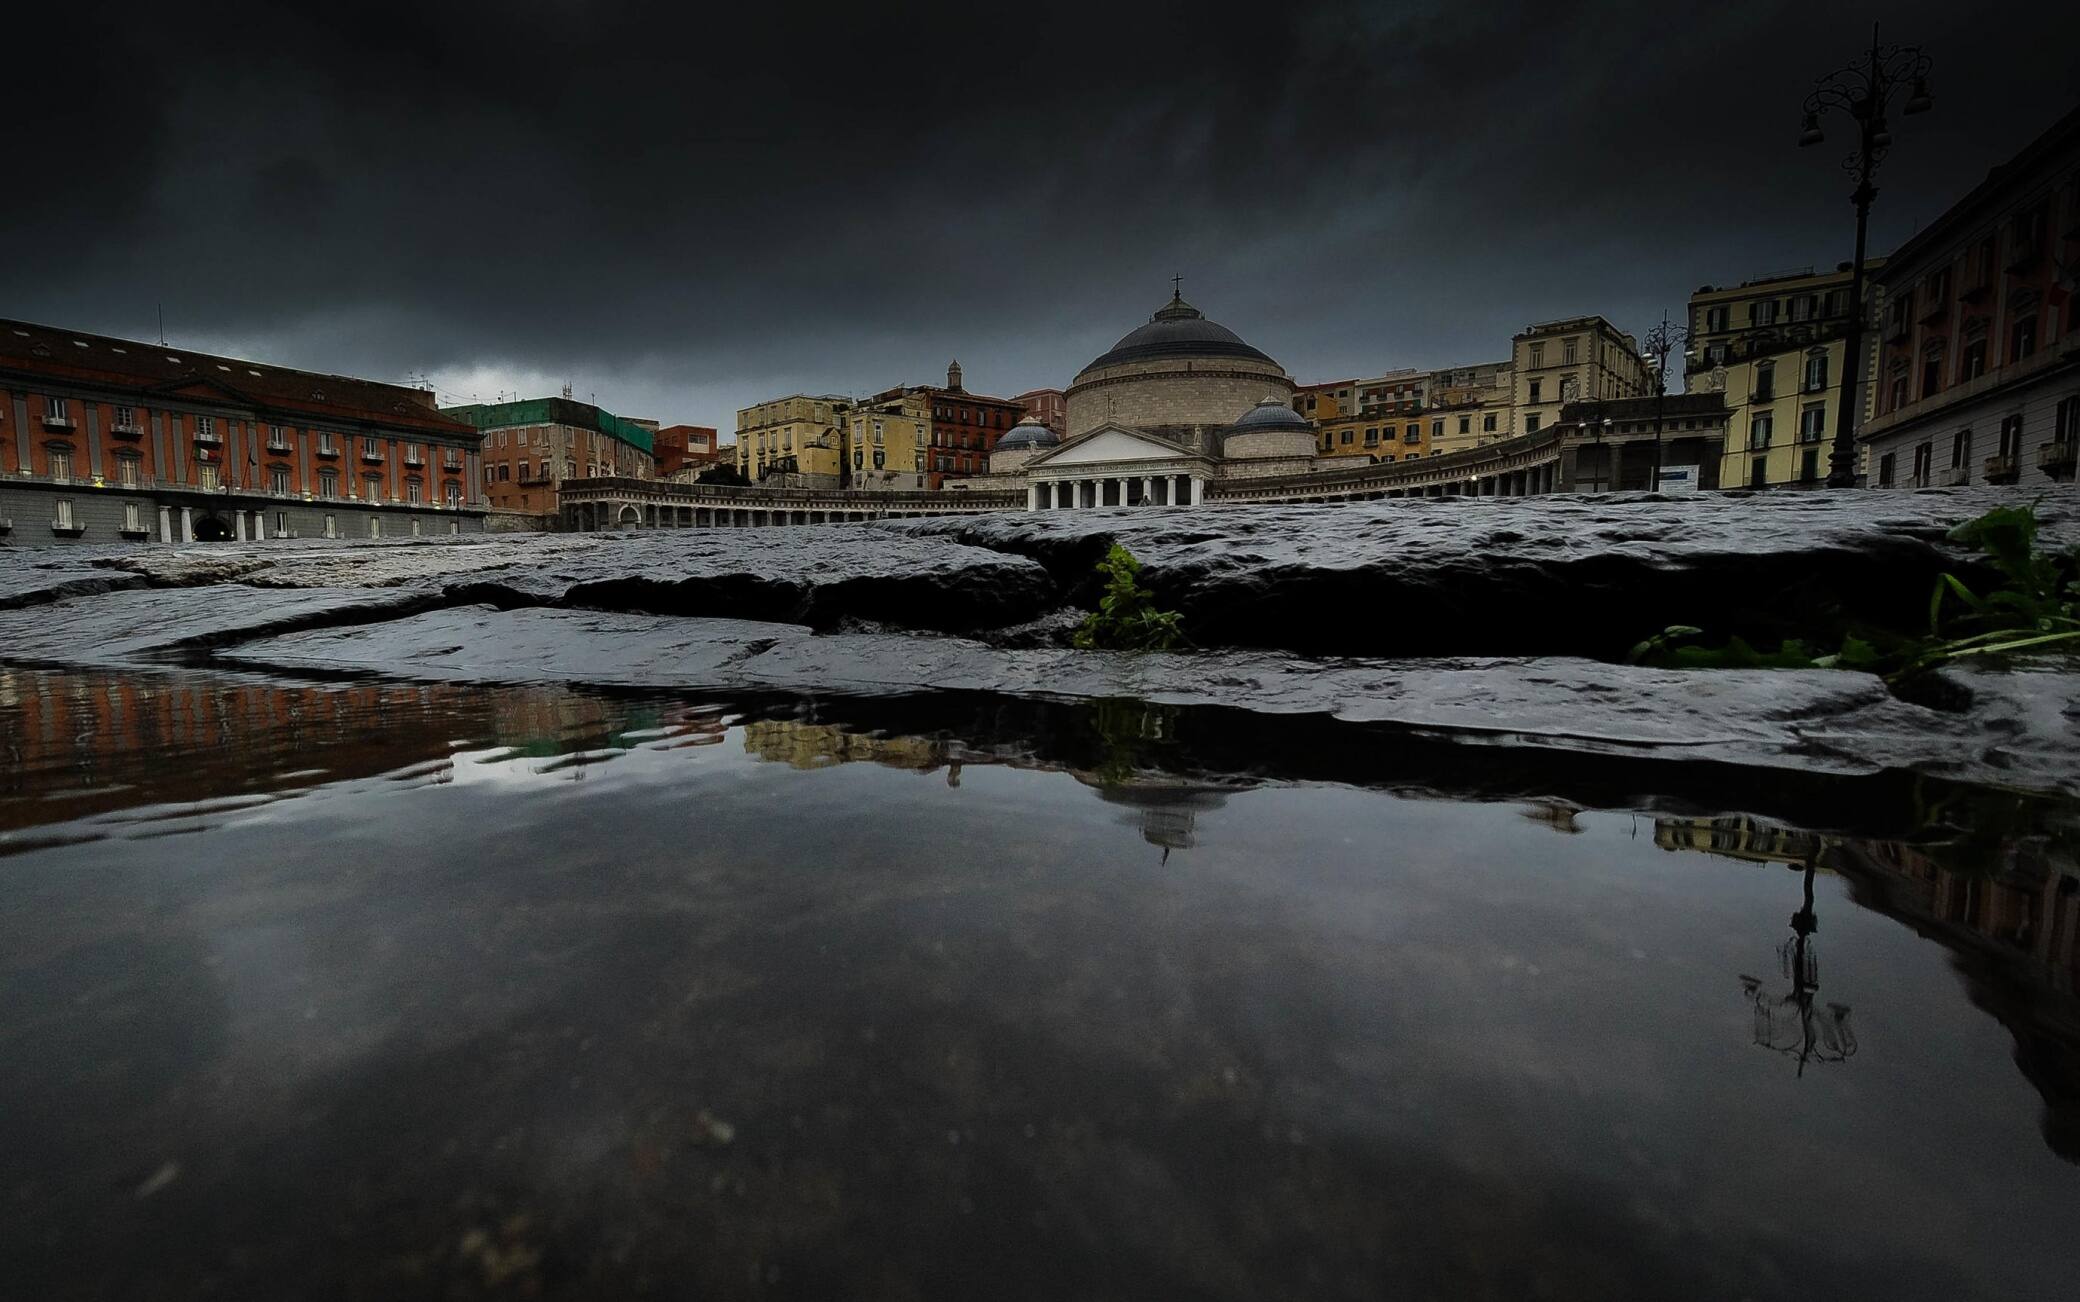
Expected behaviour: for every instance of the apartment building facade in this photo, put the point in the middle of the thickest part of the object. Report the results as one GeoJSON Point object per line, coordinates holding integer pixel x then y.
{"type": "Point", "coordinates": [532, 446]}
{"type": "Point", "coordinates": [1978, 373]}
{"type": "Point", "coordinates": [1577, 359]}
{"type": "Point", "coordinates": [1774, 346]}
{"type": "Point", "coordinates": [114, 440]}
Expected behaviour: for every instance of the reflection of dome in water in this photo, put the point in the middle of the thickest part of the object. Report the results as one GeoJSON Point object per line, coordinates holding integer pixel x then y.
{"type": "Point", "coordinates": [1169, 814]}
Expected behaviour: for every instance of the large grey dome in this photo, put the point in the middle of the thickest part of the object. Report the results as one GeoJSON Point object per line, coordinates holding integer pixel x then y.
{"type": "Point", "coordinates": [1179, 330]}
{"type": "Point", "coordinates": [1272, 414]}
{"type": "Point", "coordinates": [1028, 433]}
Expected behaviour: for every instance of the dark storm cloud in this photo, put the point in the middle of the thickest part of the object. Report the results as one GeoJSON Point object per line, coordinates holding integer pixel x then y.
{"type": "Point", "coordinates": [688, 209]}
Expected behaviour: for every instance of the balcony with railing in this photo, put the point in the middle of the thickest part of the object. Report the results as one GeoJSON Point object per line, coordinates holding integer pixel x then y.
{"type": "Point", "coordinates": [2057, 458]}
{"type": "Point", "coordinates": [208, 438]}
{"type": "Point", "coordinates": [129, 431]}
{"type": "Point", "coordinates": [371, 454]}
{"type": "Point", "coordinates": [1954, 477]}
{"type": "Point", "coordinates": [2001, 468]}
{"type": "Point", "coordinates": [56, 420]}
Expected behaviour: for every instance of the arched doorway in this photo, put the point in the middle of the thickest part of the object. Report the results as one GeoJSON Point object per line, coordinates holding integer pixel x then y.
{"type": "Point", "coordinates": [631, 518]}
{"type": "Point", "coordinates": [211, 528]}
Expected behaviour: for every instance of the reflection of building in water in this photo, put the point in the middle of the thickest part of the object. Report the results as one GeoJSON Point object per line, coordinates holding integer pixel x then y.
{"type": "Point", "coordinates": [111, 742]}
{"type": "Point", "coordinates": [1167, 812]}
{"type": "Point", "coordinates": [2008, 910]}
{"type": "Point", "coordinates": [817, 745]}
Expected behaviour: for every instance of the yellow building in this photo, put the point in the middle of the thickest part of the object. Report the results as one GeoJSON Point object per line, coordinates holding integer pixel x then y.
{"type": "Point", "coordinates": [1380, 419]}
{"type": "Point", "coordinates": [802, 437]}
{"type": "Point", "coordinates": [1470, 405]}
{"type": "Point", "coordinates": [886, 439]}
{"type": "Point", "coordinates": [1578, 359]}
{"type": "Point", "coordinates": [1774, 347]}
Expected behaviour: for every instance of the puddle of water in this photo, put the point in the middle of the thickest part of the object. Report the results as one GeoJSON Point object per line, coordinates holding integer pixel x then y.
{"type": "Point", "coordinates": [448, 992]}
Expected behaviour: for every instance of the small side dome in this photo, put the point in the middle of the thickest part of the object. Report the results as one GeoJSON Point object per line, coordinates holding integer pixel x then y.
{"type": "Point", "coordinates": [1028, 433]}
{"type": "Point", "coordinates": [1272, 414]}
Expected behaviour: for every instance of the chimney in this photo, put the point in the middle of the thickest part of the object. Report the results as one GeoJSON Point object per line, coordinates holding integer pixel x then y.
{"type": "Point", "coordinates": [953, 376]}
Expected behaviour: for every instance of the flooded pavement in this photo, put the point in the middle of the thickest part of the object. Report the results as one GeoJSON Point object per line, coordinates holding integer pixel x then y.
{"type": "Point", "coordinates": [374, 989]}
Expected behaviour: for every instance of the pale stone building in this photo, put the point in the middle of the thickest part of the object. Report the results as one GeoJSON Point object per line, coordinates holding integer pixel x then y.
{"type": "Point", "coordinates": [800, 438]}
{"type": "Point", "coordinates": [1176, 404]}
{"type": "Point", "coordinates": [1179, 372]}
{"type": "Point", "coordinates": [1470, 405]}
{"type": "Point", "coordinates": [1578, 359]}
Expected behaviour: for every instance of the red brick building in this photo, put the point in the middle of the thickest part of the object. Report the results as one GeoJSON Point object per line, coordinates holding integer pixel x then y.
{"type": "Point", "coordinates": [965, 426]}
{"type": "Point", "coordinates": [1049, 406]}
{"type": "Point", "coordinates": [680, 447]}
{"type": "Point", "coordinates": [112, 439]}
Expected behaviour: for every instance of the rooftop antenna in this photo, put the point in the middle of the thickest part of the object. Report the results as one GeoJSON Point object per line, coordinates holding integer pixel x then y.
{"type": "Point", "coordinates": [162, 325]}
{"type": "Point", "coordinates": [566, 388]}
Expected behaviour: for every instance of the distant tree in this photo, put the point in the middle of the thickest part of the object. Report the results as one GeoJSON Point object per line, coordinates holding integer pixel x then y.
{"type": "Point", "coordinates": [724, 473]}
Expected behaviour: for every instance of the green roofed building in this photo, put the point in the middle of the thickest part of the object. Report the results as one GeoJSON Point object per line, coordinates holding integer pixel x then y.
{"type": "Point", "coordinates": [531, 447]}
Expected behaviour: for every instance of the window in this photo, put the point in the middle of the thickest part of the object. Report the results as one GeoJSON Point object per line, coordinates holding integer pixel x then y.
{"type": "Point", "coordinates": [1344, 437]}
{"type": "Point", "coordinates": [1809, 465]}
{"type": "Point", "coordinates": [276, 437]}
{"type": "Point", "coordinates": [1488, 423]}
{"type": "Point", "coordinates": [56, 412]}
{"type": "Point", "coordinates": [1437, 429]}
{"type": "Point", "coordinates": [1812, 424]}
{"type": "Point", "coordinates": [1972, 364]}
{"type": "Point", "coordinates": [328, 486]}
{"type": "Point", "coordinates": [1531, 420]}
{"type": "Point", "coordinates": [1802, 307]}
{"type": "Point", "coordinates": [61, 464]}
{"type": "Point", "coordinates": [1372, 437]}
{"type": "Point", "coordinates": [1538, 355]}
{"type": "Point", "coordinates": [206, 429]}
{"type": "Point", "coordinates": [2011, 436]}
{"type": "Point", "coordinates": [1887, 468]}
{"type": "Point", "coordinates": [1760, 428]}
{"type": "Point", "coordinates": [1762, 312]}
{"type": "Point", "coordinates": [1924, 461]}
{"type": "Point", "coordinates": [125, 418]}
{"type": "Point", "coordinates": [1961, 449]}
{"type": "Point", "coordinates": [2065, 422]}
{"type": "Point", "coordinates": [411, 491]}
{"type": "Point", "coordinates": [126, 471]}
{"type": "Point", "coordinates": [1899, 393]}
{"type": "Point", "coordinates": [1816, 372]}
{"type": "Point", "coordinates": [1758, 472]}
{"type": "Point", "coordinates": [325, 443]}
{"type": "Point", "coordinates": [332, 526]}
{"type": "Point", "coordinates": [2022, 337]}
{"type": "Point", "coordinates": [1765, 381]}
{"type": "Point", "coordinates": [1570, 351]}
{"type": "Point", "coordinates": [1466, 424]}
{"type": "Point", "coordinates": [1715, 318]}
{"type": "Point", "coordinates": [1931, 372]}
{"type": "Point", "coordinates": [1537, 386]}
{"type": "Point", "coordinates": [278, 480]}
{"type": "Point", "coordinates": [281, 524]}
{"type": "Point", "coordinates": [375, 526]}
{"type": "Point", "coordinates": [1413, 434]}
{"type": "Point", "coordinates": [133, 520]}
{"type": "Point", "coordinates": [62, 513]}
{"type": "Point", "coordinates": [210, 477]}
{"type": "Point", "coordinates": [880, 458]}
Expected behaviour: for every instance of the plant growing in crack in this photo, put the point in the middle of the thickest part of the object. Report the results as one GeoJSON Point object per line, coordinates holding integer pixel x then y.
{"type": "Point", "coordinates": [1127, 618]}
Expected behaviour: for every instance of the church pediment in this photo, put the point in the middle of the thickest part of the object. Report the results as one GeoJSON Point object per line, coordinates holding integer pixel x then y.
{"type": "Point", "coordinates": [1113, 443]}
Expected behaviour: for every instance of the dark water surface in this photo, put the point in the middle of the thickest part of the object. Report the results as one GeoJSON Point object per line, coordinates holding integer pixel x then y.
{"type": "Point", "coordinates": [376, 990]}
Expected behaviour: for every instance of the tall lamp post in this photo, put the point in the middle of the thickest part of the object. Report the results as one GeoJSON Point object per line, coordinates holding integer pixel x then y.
{"type": "Point", "coordinates": [1662, 340]}
{"type": "Point", "coordinates": [1863, 90]}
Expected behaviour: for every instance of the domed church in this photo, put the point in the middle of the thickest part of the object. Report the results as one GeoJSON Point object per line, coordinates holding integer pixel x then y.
{"type": "Point", "coordinates": [1176, 403]}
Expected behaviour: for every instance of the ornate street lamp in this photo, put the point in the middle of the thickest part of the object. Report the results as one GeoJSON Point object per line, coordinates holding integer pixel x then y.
{"type": "Point", "coordinates": [1789, 1023]}
{"type": "Point", "coordinates": [1662, 340]}
{"type": "Point", "coordinates": [1864, 90]}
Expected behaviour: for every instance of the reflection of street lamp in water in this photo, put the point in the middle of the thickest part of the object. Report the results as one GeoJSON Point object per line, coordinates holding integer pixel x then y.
{"type": "Point", "coordinates": [1789, 1024]}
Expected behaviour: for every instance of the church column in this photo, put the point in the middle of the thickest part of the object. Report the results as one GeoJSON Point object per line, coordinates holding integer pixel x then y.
{"type": "Point", "coordinates": [165, 524]}
{"type": "Point", "coordinates": [1148, 490]}
{"type": "Point", "coordinates": [187, 524]}
{"type": "Point", "coordinates": [1198, 490]}
{"type": "Point", "coordinates": [1032, 497]}
{"type": "Point", "coordinates": [238, 526]}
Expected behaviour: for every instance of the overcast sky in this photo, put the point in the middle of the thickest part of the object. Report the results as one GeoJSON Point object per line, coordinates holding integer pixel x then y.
{"type": "Point", "coordinates": [686, 208]}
